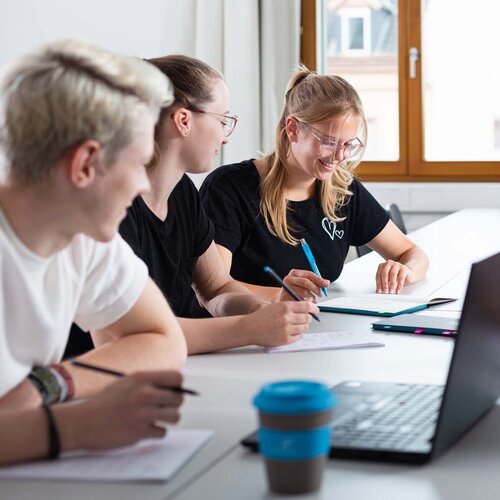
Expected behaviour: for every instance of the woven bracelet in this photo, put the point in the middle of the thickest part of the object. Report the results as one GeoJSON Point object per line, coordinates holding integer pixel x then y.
{"type": "Point", "coordinates": [47, 383]}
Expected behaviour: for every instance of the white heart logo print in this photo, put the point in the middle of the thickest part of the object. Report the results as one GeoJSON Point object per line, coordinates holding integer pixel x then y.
{"type": "Point", "coordinates": [331, 228]}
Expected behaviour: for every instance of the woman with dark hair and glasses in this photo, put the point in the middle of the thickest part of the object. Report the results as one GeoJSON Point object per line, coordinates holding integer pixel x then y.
{"type": "Point", "coordinates": [170, 231]}
{"type": "Point", "coordinates": [306, 190]}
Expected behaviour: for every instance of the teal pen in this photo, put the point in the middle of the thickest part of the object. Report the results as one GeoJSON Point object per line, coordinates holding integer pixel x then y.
{"type": "Point", "coordinates": [312, 262]}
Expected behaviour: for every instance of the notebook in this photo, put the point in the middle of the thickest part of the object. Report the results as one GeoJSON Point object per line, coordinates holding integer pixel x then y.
{"type": "Point", "coordinates": [380, 305]}
{"type": "Point", "coordinates": [418, 324]}
{"type": "Point", "coordinates": [329, 340]}
{"type": "Point", "coordinates": [147, 460]}
{"type": "Point", "coordinates": [417, 422]}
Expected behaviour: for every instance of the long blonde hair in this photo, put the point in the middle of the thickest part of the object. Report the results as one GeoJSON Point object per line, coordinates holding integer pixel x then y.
{"type": "Point", "coordinates": [310, 98]}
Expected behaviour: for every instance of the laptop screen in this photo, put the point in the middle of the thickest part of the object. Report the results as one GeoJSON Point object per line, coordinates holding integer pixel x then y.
{"type": "Point", "coordinates": [473, 383]}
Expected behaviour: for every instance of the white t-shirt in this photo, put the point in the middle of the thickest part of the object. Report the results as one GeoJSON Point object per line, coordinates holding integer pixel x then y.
{"type": "Point", "coordinates": [91, 283]}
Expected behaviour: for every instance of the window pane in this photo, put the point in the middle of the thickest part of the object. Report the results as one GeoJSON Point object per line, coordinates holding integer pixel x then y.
{"type": "Point", "coordinates": [461, 80]}
{"type": "Point", "coordinates": [361, 44]}
{"type": "Point", "coordinates": [356, 33]}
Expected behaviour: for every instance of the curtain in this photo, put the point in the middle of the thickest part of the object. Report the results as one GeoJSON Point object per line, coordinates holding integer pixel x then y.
{"type": "Point", "coordinates": [256, 45]}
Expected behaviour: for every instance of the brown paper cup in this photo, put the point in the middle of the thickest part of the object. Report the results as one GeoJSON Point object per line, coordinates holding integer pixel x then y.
{"type": "Point", "coordinates": [295, 476]}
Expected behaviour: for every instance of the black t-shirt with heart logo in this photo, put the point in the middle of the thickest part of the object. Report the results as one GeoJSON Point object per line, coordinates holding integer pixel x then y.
{"type": "Point", "coordinates": [231, 197]}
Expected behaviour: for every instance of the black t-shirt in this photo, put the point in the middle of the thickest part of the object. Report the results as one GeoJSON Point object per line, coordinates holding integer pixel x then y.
{"type": "Point", "coordinates": [171, 247]}
{"type": "Point", "coordinates": [231, 197]}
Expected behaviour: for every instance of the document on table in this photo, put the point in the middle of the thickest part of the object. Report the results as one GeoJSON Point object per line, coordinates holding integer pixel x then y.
{"type": "Point", "coordinates": [329, 340]}
{"type": "Point", "coordinates": [148, 460]}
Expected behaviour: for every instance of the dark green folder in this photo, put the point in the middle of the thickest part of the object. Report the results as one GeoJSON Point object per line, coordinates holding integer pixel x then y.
{"type": "Point", "coordinates": [386, 314]}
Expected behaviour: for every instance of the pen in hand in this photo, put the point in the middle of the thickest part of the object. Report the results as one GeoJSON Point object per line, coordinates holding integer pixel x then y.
{"type": "Point", "coordinates": [312, 262]}
{"type": "Point", "coordinates": [278, 280]}
{"type": "Point", "coordinates": [116, 373]}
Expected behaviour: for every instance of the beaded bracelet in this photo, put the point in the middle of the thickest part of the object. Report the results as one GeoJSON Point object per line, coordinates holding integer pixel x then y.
{"type": "Point", "coordinates": [54, 383]}
{"type": "Point", "coordinates": [47, 384]}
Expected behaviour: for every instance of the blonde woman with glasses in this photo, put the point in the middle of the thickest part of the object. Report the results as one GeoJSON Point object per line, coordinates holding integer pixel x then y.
{"type": "Point", "coordinates": [170, 231]}
{"type": "Point", "coordinates": [306, 190]}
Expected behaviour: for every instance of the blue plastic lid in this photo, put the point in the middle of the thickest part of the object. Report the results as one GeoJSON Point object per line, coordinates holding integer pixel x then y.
{"type": "Point", "coordinates": [294, 397]}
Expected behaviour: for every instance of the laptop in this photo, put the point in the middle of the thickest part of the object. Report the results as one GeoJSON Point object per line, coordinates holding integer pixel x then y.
{"type": "Point", "coordinates": [415, 423]}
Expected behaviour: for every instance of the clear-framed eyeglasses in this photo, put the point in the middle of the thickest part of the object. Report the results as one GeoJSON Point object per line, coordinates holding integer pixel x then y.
{"type": "Point", "coordinates": [329, 146]}
{"type": "Point", "coordinates": [228, 121]}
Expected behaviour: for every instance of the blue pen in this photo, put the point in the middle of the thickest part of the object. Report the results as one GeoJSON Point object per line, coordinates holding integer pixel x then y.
{"type": "Point", "coordinates": [312, 262]}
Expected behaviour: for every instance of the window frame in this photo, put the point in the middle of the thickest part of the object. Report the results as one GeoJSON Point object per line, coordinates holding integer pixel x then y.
{"type": "Point", "coordinates": [411, 165]}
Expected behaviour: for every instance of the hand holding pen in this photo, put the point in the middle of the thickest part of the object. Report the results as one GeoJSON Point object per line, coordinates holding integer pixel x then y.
{"type": "Point", "coordinates": [306, 285]}
{"type": "Point", "coordinates": [312, 262]}
{"type": "Point", "coordinates": [280, 282]}
{"type": "Point", "coordinates": [133, 407]}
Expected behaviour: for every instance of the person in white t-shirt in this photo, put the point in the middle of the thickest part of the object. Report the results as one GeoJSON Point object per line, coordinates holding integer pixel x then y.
{"type": "Point", "coordinates": [76, 129]}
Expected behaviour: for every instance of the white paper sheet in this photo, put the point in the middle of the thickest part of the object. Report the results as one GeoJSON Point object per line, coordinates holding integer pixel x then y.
{"type": "Point", "coordinates": [148, 460]}
{"type": "Point", "coordinates": [329, 340]}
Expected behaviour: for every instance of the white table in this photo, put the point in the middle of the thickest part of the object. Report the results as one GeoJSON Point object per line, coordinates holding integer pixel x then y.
{"type": "Point", "coordinates": [229, 380]}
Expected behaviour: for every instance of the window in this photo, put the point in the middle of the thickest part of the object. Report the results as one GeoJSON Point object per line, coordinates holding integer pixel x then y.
{"type": "Point", "coordinates": [354, 30]}
{"type": "Point", "coordinates": [426, 72]}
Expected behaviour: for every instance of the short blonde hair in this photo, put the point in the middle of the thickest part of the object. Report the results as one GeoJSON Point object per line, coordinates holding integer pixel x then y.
{"type": "Point", "coordinates": [310, 98]}
{"type": "Point", "coordinates": [68, 92]}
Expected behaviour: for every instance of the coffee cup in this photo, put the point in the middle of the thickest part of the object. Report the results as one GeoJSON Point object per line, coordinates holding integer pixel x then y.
{"type": "Point", "coordinates": [294, 433]}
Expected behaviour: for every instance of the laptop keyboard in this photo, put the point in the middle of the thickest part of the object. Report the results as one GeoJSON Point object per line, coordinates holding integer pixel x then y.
{"type": "Point", "coordinates": [390, 422]}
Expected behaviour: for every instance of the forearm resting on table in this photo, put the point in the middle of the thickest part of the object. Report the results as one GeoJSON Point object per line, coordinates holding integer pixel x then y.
{"type": "Point", "coordinates": [217, 291]}
{"type": "Point", "coordinates": [416, 260]}
{"type": "Point", "coordinates": [23, 435]}
{"type": "Point", "coordinates": [214, 334]}
{"type": "Point", "coordinates": [231, 302]}
{"type": "Point", "coordinates": [144, 351]}
{"type": "Point", "coordinates": [269, 293]}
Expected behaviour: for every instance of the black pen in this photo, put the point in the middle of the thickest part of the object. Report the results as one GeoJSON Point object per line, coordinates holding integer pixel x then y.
{"type": "Point", "coordinates": [278, 280]}
{"type": "Point", "coordinates": [115, 373]}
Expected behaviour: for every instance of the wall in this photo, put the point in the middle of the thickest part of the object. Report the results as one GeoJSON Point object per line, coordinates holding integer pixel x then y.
{"type": "Point", "coordinates": [223, 33]}
{"type": "Point", "coordinates": [423, 203]}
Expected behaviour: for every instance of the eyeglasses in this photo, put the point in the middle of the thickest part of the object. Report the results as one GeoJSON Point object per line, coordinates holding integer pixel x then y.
{"type": "Point", "coordinates": [228, 121]}
{"type": "Point", "coordinates": [329, 147]}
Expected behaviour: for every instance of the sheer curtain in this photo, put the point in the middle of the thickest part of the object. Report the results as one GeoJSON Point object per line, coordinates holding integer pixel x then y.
{"type": "Point", "coordinates": [256, 44]}
{"type": "Point", "coordinates": [279, 57]}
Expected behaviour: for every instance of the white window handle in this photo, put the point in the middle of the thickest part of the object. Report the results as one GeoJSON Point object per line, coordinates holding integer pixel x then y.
{"type": "Point", "coordinates": [413, 62]}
